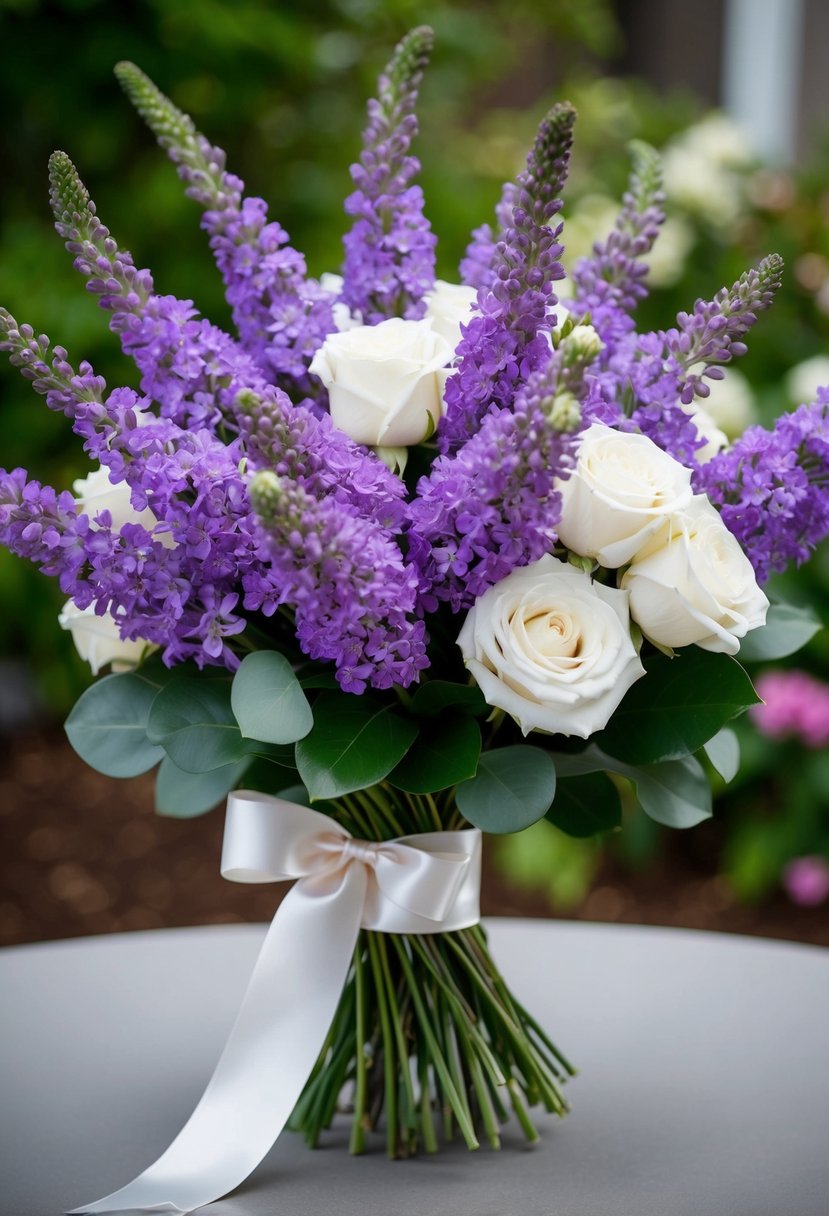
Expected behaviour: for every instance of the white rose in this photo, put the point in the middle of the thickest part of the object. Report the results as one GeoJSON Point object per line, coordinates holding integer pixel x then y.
{"type": "Point", "coordinates": [448, 305]}
{"type": "Point", "coordinates": [707, 429]}
{"type": "Point", "coordinates": [621, 491]}
{"type": "Point", "coordinates": [692, 584]}
{"type": "Point", "coordinates": [98, 639]}
{"type": "Point", "coordinates": [552, 648]}
{"type": "Point", "coordinates": [97, 493]}
{"type": "Point", "coordinates": [385, 382]}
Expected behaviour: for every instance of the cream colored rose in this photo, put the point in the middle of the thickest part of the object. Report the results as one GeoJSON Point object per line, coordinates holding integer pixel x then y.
{"type": "Point", "coordinates": [552, 648]}
{"type": "Point", "coordinates": [98, 639]}
{"type": "Point", "coordinates": [621, 491]}
{"type": "Point", "coordinates": [385, 382]}
{"type": "Point", "coordinates": [97, 493]}
{"type": "Point", "coordinates": [448, 305]}
{"type": "Point", "coordinates": [693, 585]}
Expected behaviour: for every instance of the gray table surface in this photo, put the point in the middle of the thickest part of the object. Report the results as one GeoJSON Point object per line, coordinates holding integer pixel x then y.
{"type": "Point", "coordinates": [704, 1085]}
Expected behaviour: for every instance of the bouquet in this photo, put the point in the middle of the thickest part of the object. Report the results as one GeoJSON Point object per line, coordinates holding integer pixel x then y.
{"type": "Point", "coordinates": [401, 562]}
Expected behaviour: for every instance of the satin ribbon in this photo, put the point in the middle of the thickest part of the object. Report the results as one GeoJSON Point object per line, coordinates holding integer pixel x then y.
{"type": "Point", "coordinates": [427, 883]}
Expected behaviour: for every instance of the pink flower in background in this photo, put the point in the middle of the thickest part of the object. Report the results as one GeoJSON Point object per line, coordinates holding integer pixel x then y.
{"type": "Point", "coordinates": [806, 880]}
{"type": "Point", "coordinates": [796, 705]}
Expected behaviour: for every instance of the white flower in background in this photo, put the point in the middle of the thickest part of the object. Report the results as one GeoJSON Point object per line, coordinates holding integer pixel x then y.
{"type": "Point", "coordinates": [343, 317]}
{"type": "Point", "coordinates": [804, 379]}
{"type": "Point", "coordinates": [667, 257]}
{"type": "Point", "coordinates": [693, 585]}
{"type": "Point", "coordinates": [448, 305]}
{"type": "Point", "coordinates": [621, 491]}
{"type": "Point", "coordinates": [707, 429]}
{"type": "Point", "coordinates": [552, 648]}
{"type": "Point", "coordinates": [385, 382]}
{"type": "Point", "coordinates": [98, 639]}
{"type": "Point", "coordinates": [730, 402]}
{"type": "Point", "coordinates": [721, 140]}
{"type": "Point", "coordinates": [702, 170]}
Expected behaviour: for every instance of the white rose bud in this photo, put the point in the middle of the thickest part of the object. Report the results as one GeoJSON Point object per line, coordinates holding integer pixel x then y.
{"type": "Point", "coordinates": [693, 585]}
{"type": "Point", "coordinates": [448, 306]}
{"type": "Point", "coordinates": [385, 382]}
{"type": "Point", "coordinates": [552, 648]}
{"type": "Point", "coordinates": [98, 639]}
{"type": "Point", "coordinates": [621, 491]}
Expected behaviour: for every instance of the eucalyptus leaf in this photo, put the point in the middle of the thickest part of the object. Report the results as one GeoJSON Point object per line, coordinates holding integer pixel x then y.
{"type": "Point", "coordinates": [586, 805]}
{"type": "Point", "coordinates": [184, 795]}
{"type": "Point", "coordinates": [355, 742]}
{"type": "Point", "coordinates": [193, 721]}
{"type": "Point", "coordinates": [677, 706]}
{"type": "Point", "coordinates": [787, 628]}
{"type": "Point", "coordinates": [434, 696]}
{"type": "Point", "coordinates": [723, 751]}
{"type": "Point", "coordinates": [673, 792]}
{"type": "Point", "coordinates": [513, 787]}
{"type": "Point", "coordinates": [267, 700]}
{"type": "Point", "coordinates": [445, 752]}
{"type": "Point", "coordinates": [107, 726]}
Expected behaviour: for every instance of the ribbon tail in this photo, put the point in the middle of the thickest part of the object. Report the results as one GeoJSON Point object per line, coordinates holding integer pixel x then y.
{"type": "Point", "coordinates": [273, 1046]}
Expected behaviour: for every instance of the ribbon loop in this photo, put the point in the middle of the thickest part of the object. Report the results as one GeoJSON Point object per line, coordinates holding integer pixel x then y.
{"type": "Point", "coordinates": [426, 883]}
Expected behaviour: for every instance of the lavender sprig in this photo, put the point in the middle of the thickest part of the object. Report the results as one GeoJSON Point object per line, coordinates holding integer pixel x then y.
{"type": "Point", "coordinates": [389, 251]}
{"type": "Point", "coordinates": [507, 338]}
{"type": "Point", "coordinates": [494, 506]}
{"type": "Point", "coordinates": [477, 266]}
{"type": "Point", "coordinates": [772, 487]}
{"type": "Point", "coordinates": [352, 593]}
{"type": "Point", "coordinates": [610, 283]}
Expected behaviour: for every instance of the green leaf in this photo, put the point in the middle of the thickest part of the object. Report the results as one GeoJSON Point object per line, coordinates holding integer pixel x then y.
{"type": "Point", "coordinates": [723, 751]}
{"type": "Point", "coordinates": [194, 723]}
{"type": "Point", "coordinates": [787, 628]}
{"type": "Point", "coordinates": [676, 707]}
{"type": "Point", "coordinates": [108, 726]}
{"type": "Point", "coordinates": [673, 792]}
{"type": "Point", "coordinates": [355, 742]}
{"type": "Point", "coordinates": [445, 752]}
{"type": "Point", "coordinates": [434, 696]}
{"type": "Point", "coordinates": [183, 795]}
{"type": "Point", "coordinates": [513, 787]}
{"type": "Point", "coordinates": [267, 700]}
{"type": "Point", "coordinates": [586, 805]}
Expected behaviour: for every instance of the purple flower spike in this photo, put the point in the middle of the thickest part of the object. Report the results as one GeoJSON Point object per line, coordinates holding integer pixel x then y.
{"type": "Point", "coordinates": [352, 593]}
{"type": "Point", "coordinates": [281, 315]}
{"type": "Point", "coordinates": [390, 250]}
{"type": "Point", "coordinates": [507, 339]}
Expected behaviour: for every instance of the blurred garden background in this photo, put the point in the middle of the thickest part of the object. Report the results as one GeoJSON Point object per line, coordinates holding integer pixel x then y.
{"type": "Point", "coordinates": [732, 92]}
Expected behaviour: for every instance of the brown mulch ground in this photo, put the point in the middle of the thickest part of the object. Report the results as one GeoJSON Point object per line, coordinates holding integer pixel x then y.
{"type": "Point", "coordinates": [84, 854]}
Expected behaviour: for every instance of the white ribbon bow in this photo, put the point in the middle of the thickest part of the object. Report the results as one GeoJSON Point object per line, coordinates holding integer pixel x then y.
{"type": "Point", "coordinates": [428, 883]}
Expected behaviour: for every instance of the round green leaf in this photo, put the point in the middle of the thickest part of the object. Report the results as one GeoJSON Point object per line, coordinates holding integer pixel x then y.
{"type": "Point", "coordinates": [677, 706]}
{"type": "Point", "coordinates": [513, 787]}
{"type": "Point", "coordinates": [108, 726]}
{"type": "Point", "coordinates": [787, 628]}
{"type": "Point", "coordinates": [194, 723]}
{"type": "Point", "coordinates": [445, 752]}
{"type": "Point", "coordinates": [355, 742]}
{"type": "Point", "coordinates": [584, 806]}
{"type": "Point", "coordinates": [723, 751]}
{"type": "Point", "coordinates": [675, 792]}
{"type": "Point", "coordinates": [267, 700]}
{"type": "Point", "coordinates": [183, 795]}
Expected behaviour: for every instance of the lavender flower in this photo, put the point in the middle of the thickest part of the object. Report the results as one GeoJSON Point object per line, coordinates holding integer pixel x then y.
{"type": "Point", "coordinates": [281, 315]}
{"type": "Point", "coordinates": [494, 506]}
{"type": "Point", "coordinates": [352, 593]}
{"type": "Point", "coordinates": [477, 267]}
{"type": "Point", "coordinates": [609, 284]}
{"type": "Point", "coordinates": [389, 252]}
{"type": "Point", "coordinates": [772, 487]}
{"type": "Point", "coordinates": [507, 338]}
